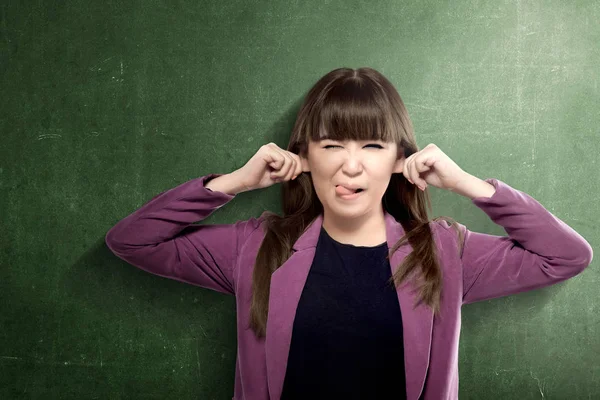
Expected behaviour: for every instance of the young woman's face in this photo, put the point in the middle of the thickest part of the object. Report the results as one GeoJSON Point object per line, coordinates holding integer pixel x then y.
{"type": "Point", "coordinates": [364, 164]}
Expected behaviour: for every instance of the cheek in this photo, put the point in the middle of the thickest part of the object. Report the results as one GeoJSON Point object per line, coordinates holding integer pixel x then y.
{"type": "Point", "coordinates": [324, 170]}
{"type": "Point", "coordinates": [380, 169]}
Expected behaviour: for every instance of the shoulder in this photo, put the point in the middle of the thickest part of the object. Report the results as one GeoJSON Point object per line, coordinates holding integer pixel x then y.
{"type": "Point", "coordinates": [252, 229]}
{"type": "Point", "coordinates": [448, 233]}
{"type": "Point", "coordinates": [444, 225]}
{"type": "Point", "coordinates": [251, 225]}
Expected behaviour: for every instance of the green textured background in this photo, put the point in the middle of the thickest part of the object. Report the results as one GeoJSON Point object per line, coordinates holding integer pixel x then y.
{"type": "Point", "coordinates": [105, 104]}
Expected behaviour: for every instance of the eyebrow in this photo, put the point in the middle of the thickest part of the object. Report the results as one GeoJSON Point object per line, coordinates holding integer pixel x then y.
{"type": "Point", "coordinates": [378, 141]}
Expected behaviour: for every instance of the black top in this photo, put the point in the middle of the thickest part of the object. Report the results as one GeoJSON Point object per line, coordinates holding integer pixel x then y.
{"type": "Point", "coordinates": [347, 335]}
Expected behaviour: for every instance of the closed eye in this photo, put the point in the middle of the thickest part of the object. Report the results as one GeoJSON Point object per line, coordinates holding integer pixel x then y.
{"type": "Point", "coordinates": [372, 144]}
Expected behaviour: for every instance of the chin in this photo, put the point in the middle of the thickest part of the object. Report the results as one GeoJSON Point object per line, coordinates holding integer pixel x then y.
{"type": "Point", "coordinates": [361, 207]}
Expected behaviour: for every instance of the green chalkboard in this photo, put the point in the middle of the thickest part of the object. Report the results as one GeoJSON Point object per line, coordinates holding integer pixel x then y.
{"type": "Point", "coordinates": [104, 105]}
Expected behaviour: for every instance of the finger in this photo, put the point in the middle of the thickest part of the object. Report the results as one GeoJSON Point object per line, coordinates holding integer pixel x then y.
{"type": "Point", "coordinates": [416, 174]}
{"type": "Point", "coordinates": [290, 167]}
{"type": "Point", "coordinates": [274, 159]}
{"type": "Point", "coordinates": [413, 174]}
{"type": "Point", "coordinates": [295, 166]}
{"type": "Point", "coordinates": [276, 164]}
{"type": "Point", "coordinates": [423, 164]}
{"type": "Point", "coordinates": [287, 169]}
{"type": "Point", "coordinates": [298, 165]}
{"type": "Point", "coordinates": [420, 167]}
{"type": "Point", "coordinates": [282, 167]}
{"type": "Point", "coordinates": [407, 167]}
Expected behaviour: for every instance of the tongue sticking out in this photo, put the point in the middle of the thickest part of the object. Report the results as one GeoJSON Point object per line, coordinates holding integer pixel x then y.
{"type": "Point", "coordinates": [341, 190]}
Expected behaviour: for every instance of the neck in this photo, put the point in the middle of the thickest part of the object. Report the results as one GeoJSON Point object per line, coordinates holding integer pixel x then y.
{"type": "Point", "coordinates": [366, 230]}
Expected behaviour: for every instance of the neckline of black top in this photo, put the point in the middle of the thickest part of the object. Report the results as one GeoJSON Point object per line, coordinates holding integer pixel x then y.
{"type": "Point", "coordinates": [351, 246]}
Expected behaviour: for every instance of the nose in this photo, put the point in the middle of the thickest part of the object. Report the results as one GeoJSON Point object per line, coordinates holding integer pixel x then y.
{"type": "Point", "coordinates": [352, 165]}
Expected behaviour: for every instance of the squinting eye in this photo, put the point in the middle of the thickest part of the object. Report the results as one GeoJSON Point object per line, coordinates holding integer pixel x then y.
{"type": "Point", "coordinates": [372, 144]}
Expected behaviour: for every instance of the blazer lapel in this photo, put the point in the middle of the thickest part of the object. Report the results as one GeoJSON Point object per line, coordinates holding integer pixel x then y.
{"type": "Point", "coordinates": [287, 283]}
{"type": "Point", "coordinates": [417, 322]}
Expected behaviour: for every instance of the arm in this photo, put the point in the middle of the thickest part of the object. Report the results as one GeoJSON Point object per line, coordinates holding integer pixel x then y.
{"type": "Point", "coordinates": [471, 186]}
{"type": "Point", "coordinates": [159, 237]}
{"type": "Point", "coordinates": [540, 249]}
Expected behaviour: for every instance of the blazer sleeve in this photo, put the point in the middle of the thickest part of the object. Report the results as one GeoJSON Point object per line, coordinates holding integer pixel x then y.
{"type": "Point", "coordinates": [159, 237]}
{"type": "Point", "coordinates": [540, 249]}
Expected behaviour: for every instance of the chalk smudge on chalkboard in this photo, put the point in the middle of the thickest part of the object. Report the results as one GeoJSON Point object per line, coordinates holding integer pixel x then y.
{"type": "Point", "coordinates": [10, 358]}
{"type": "Point", "coordinates": [97, 68]}
{"type": "Point", "coordinates": [198, 358]}
{"type": "Point", "coordinates": [203, 331]}
{"type": "Point", "coordinates": [538, 382]}
{"type": "Point", "coordinates": [49, 136]}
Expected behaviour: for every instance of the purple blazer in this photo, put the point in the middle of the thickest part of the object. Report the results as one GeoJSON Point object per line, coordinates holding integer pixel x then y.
{"type": "Point", "coordinates": [221, 257]}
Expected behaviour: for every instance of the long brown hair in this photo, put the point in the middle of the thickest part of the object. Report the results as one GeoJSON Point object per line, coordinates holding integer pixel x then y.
{"type": "Point", "coordinates": [350, 104]}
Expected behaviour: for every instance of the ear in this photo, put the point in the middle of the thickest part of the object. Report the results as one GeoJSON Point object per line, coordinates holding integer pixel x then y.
{"type": "Point", "coordinates": [399, 165]}
{"type": "Point", "coordinates": [304, 162]}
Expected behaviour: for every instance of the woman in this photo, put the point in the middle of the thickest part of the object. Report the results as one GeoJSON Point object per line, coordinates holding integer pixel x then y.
{"type": "Point", "coordinates": [354, 292]}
